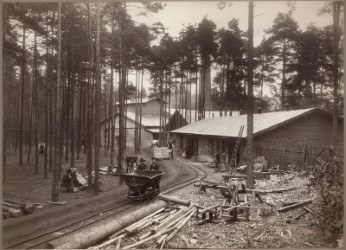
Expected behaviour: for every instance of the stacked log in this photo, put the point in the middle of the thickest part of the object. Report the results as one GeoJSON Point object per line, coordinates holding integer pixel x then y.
{"type": "Point", "coordinates": [15, 209]}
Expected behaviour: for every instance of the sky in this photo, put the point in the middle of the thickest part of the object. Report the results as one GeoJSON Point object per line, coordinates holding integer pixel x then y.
{"type": "Point", "coordinates": [178, 14]}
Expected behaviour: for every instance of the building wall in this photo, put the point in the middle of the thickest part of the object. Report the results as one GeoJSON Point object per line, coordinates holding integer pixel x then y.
{"type": "Point", "coordinates": [149, 108]}
{"type": "Point", "coordinates": [146, 136]}
{"type": "Point", "coordinates": [314, 129]}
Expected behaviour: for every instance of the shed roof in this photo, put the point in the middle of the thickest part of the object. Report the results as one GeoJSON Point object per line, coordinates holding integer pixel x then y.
{"type": "Point", "coordinates": [228, 126]}
{"type": "Point", "coordinates": [147, 120]}
{"type": "Point", "coordinates": [144, 100]}
{"type": "Point", "coordinates": [208, 114]}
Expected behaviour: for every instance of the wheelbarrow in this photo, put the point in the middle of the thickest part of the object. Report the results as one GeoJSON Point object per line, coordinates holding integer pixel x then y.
{"type": "Point", "coordinates": [143, 183]}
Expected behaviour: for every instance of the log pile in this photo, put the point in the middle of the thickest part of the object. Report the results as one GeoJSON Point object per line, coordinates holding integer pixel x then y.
{"type": "Point", "coordinates": [15, 209]}
{"type": "Point", "coordinates": [157, 228]}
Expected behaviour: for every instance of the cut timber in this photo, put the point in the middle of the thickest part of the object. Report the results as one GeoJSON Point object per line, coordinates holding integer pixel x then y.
{"type": "Point", "coordinates": [174, 200]}
{"type": "Point", "coordinates": [37, 204]}
{"type": "Point", "coordinates": [108, 242]}
{"type": "Point", "coordinates": [169, 220]}
{"type": "Point", "coordinates": [294, 206]}
{"type": "Point", "coordinates": [87, 236]}
{"type": "Point", "coordinates": [176, 230]}
{"type": "Point", "coordinates": [246, 204]}
{"type": "Point", "coordinates": [146, 235]}
{"type": "Point", "coordinates": [14, 212]}
{"type": "Point", "coordinates": [26, 208]}
{"type": "Point", "coordinates": [119, 243]}
{"type": "Point", "coordinates": [270, 191]}
{"type": "Point", "coordinates": [6, 215]}
{"type": "Point", "coordinates": [15, 202]}
{"type": "Point", "coordinates": [134, 227]}
{"type": "Point", "coordinates": [167, 230]}
{"type": "Point", "coordinates": [289, 203]}
{"type": "Point", "coordinates": [57, 202]}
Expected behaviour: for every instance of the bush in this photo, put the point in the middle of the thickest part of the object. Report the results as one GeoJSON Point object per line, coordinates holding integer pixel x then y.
{"type": "Point", "coordinates": [327, 178]}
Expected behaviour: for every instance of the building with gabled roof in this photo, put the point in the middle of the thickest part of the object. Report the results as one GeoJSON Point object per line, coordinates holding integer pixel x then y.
{"type": "Point", "coordinates": [280, 130]}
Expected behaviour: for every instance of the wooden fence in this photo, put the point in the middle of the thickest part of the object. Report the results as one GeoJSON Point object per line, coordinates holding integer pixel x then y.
{"type": "Point", "coordinates": [288, 154]}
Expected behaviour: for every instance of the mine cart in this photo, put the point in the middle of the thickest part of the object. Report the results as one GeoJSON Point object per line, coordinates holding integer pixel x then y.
{"type": "Point", "coordinates": [143, 183]}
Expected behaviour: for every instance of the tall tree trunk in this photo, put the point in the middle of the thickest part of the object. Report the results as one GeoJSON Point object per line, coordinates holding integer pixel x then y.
{"type": "Point", "coordinates": [72, 126]}
{"type": "Point", "coordinates": [196, 100]}
{"type": "Point", "coordinates": [51, 115]}
{"type": "Point", "coordinates": [89, 128]}
{"type": "Point", "coordinates": [31, 107]}
{"type": "Point", "coordinates": [336, 39]}
{"type": "Point", "coordinates": [161, 106]}
{"type": "Point", "coordinates": [97, 103]}
{"type": "Point", "coordinates": [111, 117]}
{"type": "Point", "coordinates": [283, 83]}
{"type": "Point", "coordinates": [250, 142]}
{"type": "Point", "coordinates": [36, 104]}
{"type": "Point", "coordinates": [140, 113]}
{"type": "Point", "coordinates": [122, 84]}
{"type": "Point", "coordinates": [23, 69]}
{"type": "Point", "coordinates": [46, 108]}
{"type": "Point", "coordinates": [57, 151]}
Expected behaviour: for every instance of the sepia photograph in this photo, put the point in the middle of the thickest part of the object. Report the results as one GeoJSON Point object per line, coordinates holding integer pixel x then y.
{"type": "Point", "coordinates": [172, 124]}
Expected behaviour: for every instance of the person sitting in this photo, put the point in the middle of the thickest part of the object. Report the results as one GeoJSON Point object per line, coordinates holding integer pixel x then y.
{"type": "Point", "coordinates": [142, 165]}
{"type": "Point", "coordinates": [74, 177]}
{"type": "Point", "coordinates": [67, 181]}
{"type": "Point", "coordinates": [154, 165]}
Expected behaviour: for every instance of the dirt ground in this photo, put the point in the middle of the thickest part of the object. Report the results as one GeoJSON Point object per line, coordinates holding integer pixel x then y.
{"type": "Point", "coordinates": [279, 230]}
{"type": "Point", "coordinates": [21, 184]}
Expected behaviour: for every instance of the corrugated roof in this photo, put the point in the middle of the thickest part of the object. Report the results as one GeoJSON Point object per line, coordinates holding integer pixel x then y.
{"type": "Point", "coordinates": [228, 126]}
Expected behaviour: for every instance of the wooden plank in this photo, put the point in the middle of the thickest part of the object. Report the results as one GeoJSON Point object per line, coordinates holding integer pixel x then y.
{"type": "Point", "coordinates": [57, 202]}
{"type": "Point", "coordinates": [174, 200]}
{"type": "Point", "coordinates": [14, 212]}
{"type": "Point", "coordinates": [294, 206]}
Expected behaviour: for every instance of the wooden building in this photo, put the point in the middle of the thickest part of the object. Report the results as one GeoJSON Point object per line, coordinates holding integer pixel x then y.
{"type": "Point", "coordinates": [283, 137]}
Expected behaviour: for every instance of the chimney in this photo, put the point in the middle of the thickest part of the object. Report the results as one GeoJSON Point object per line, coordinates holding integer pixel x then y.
{"type": "Point", "coordinates": [230, 113]}
{"type": "Point", "coordinates": [259, 110]}
{"type": "Point", "coordinates": [241, 112]}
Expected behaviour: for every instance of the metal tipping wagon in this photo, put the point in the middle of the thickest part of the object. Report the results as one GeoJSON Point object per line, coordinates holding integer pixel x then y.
{"type": "Point", "coordinates": [143, 183]}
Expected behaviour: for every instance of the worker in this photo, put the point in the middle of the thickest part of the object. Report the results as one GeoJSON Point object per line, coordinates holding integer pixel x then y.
{"type": "Point", "coordinates": [170, 149]}
{"type": "Point", "coordinates": [142, 165]}
{"type": "Point", "coordinates": [67, 181]}
{"type": "Point", "coordinates": [154, 165]}
{"type": "Point", "coordinates": [217, 162]}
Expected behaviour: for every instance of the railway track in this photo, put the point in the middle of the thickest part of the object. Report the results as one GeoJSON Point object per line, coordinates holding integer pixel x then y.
{"type": "Point", "coordinates": [40, 240]}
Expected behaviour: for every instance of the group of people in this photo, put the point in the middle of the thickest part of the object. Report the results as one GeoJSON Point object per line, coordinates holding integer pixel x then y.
{"type": "Point", "coordinates": [70, 180]}
{"type": "Point", "coordinates": [142, 165]}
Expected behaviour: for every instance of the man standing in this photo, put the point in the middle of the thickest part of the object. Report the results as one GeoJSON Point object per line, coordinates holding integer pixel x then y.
{"type": "Point", "coordinates": [170, 148]}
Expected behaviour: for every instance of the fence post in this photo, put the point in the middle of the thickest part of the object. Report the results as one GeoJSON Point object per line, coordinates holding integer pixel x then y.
{"type": "Point", "coordinates": [304, 154]}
